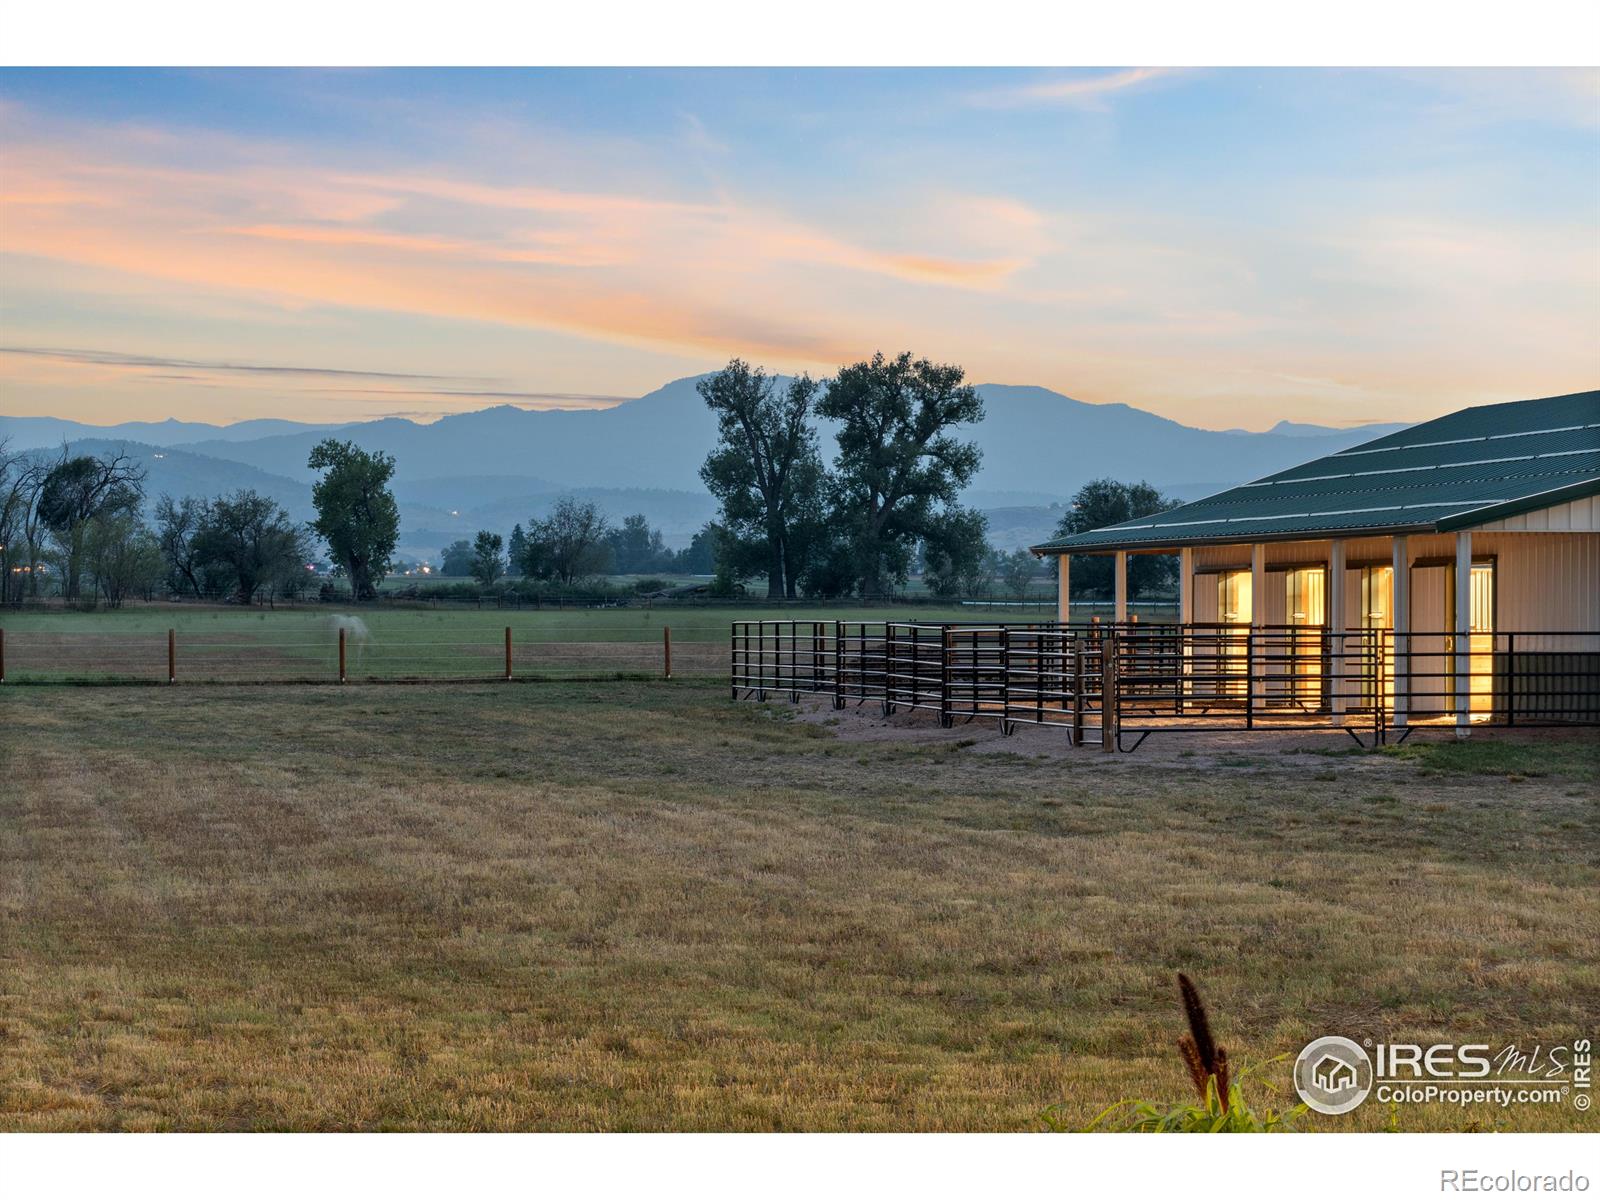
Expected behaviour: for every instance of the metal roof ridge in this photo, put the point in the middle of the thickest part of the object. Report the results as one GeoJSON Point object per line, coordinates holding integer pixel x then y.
{"type": "Point", "coordinates": [1274, 481]}
{"type": "Point", "coordinates": [1487, 437]}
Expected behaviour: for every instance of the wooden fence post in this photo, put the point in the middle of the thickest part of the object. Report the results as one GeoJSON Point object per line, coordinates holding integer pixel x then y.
{"type": "Point", "coordinates": [341, 654]}
{"type": "Point", "coordinates": [666, 652]}
{"type": "Point", "coordinates": [508, 654]}
{"type": "Point", "coordinates": [172, 656]}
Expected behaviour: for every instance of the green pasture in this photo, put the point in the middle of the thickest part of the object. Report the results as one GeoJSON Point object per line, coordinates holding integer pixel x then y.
{"type": "Point", "coordinates": [467, 623]}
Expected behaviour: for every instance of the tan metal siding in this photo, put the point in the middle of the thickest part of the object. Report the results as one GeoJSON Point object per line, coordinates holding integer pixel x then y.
{"type": "Point", "coordinates": [1544, 581]}
{"type": "Point", "coordinates": [1576, 516]}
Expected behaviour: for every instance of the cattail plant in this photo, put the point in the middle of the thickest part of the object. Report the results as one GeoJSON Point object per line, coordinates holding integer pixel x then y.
{"type": "Point", "coordinates": [1206, 1060]}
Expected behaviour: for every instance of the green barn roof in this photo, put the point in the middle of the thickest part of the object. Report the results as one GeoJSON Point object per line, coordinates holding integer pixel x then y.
{"type": "Point", "coordinates": [1473, 466]}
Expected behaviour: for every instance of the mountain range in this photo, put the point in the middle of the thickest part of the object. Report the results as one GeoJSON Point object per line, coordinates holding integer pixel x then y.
{"type": "Point", "coordinates": [496, 466]}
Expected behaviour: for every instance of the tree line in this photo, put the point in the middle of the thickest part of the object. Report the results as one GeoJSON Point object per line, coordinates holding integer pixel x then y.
{"type": "Point", "coordinates": [889, 499]}
{"type": "Point", "coordinates": [574, 543]}
{"type": "Point", "coordinates": [887, 503]}
{"type": "Point", "coordinates": [75, 524]}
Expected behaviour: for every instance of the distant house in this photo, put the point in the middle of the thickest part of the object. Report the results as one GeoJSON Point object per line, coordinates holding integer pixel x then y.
{"type": "Point", "coordinates": [1466, 548]}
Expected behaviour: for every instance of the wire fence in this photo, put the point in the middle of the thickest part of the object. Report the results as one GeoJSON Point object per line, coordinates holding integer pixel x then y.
{"type": "Point", "coordinates": [340, 656]}
{"type": "Point", "coordinates": [1107, 682]}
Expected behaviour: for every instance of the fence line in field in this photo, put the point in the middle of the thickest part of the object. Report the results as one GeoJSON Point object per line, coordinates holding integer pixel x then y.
{"type": "Point", "coordinates": [174, 657]}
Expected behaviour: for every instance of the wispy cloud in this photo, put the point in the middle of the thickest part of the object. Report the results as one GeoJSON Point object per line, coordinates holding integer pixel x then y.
{"type": "Point", "coordinates": [1076, 90]}
{"type": "Point", "coordinates": [114, 358]}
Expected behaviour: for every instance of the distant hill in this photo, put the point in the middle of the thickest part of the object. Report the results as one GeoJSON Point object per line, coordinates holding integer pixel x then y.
{"type": "Point", "coordinates": [33, 433]}
{"type": "Point", "coordinates": [182, 473]}
{"type": "Point", "coordinates": [1034, 441]}
{"type": "Point", "coordinates": [497, 466]}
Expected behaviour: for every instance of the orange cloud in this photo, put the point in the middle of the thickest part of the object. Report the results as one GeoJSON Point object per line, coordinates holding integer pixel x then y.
{"type": "Point", "coordinates": [630, 268]}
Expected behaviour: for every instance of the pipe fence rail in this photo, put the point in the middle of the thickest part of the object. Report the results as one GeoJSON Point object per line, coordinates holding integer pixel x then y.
{"type": "Point", "coordinates": [1114, 684]}
{"type": "Point", "coordinates": [176, 656]}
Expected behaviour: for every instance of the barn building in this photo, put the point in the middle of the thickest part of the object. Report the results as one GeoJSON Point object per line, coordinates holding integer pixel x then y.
{"type": "Point", "coordinates": [1469, 546]}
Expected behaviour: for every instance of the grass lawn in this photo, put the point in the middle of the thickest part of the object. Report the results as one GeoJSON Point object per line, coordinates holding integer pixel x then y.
{"type": "Point", "coordinates": [231, 644]}
{"type": "Point", "coordinates": [689, 623]}
{"type": "Point", "coordinates": [639, 906]}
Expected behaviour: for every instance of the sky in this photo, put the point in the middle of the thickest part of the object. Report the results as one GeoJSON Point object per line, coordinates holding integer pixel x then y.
{"type": "Point", "coordinates": [1227, 248]}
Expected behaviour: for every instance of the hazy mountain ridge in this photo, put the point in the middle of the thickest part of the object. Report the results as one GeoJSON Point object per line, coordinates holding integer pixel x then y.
{"type": "Point", "coordinates": [502, 465]}
{"type": "Point", "coordinates": [1034, 440]}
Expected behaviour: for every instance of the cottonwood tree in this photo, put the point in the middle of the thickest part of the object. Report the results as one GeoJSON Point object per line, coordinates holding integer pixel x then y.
{"type": "Point", "coordinates": [356, 513]}
{"type": "Point", "coordinates": [955, 553]}
{"type": "Point", "coordinates": [637, 548]}
{"type": "Point", "coordinates": [1018, 570]}
{"type": "Point", "coordinates": [73, 493]}
{"type": "Point", "coordinates": [700, 556]}
{"type": "Point", "coordinates": [122, 556]}
{"type": "Point", "coordinates": [900, 463]}
{"type": "Point", "coordinates": [765, 470]}
{"type": "Point", "coordinates": [487, 562]}
{"type": "Point", "coordinates": [570, 544]}
{"type": "Point", "coordinates": [177, 523]}
{"type": "Point", "coordinates": [1103, 502]}
{"type": "Point", "coordinates": [18, 472]}
{"type": "Point", "coordinates": [254, 542]}
{"type": "Point", "coordinates": [456, 558]}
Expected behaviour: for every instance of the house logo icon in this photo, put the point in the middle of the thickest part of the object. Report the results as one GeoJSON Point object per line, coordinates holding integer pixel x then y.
{"type": "Point", "coordinates": [1333, 1075]}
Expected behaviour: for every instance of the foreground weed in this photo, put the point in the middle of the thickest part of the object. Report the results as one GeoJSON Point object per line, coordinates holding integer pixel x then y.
{"type": "Point", "coordinates": [1222, 1106]}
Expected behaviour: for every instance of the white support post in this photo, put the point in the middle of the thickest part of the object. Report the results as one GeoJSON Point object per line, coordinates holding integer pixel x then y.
{"type": "Point", "coordinates": [1063, 590]}
{"type": "Point", "coordinates": [1121, 580]}
{"type": "Point", "coordinates": [1258, 618]}
{"type": "Point", "coordinates": [1186, 586]}
{"type": "Point", "coordinates": [1185, 623]}
{"type": "Point", "coordinates": [1400, 560]}
{"type": "Point", "coordinates": [1338, 657]}
{"type": "Point", "coordinates": [1463, 633]}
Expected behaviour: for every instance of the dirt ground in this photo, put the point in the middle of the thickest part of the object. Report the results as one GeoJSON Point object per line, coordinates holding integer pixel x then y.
{"type": "Point", "coordinates": [1197, 751]}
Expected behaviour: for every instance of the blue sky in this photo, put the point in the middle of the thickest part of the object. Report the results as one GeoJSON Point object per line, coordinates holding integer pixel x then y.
{"type": "Point", "coordinates": [1224, 247]}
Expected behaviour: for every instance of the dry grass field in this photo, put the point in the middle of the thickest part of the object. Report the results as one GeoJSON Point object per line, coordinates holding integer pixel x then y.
{"type": "Point", "coordinates": [638, 906]}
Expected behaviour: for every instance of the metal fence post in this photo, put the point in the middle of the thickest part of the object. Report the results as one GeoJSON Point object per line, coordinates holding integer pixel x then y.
{"type": "Point", "coordinates": [666, 651]}
{"type": "Point", "coordinates": [1005, 680]}
{"type": "Point", "coordinates": [888, 663]}
{"type": "Point", "coordinates": [2, 655]}
{"type": "Point", "coordinates": [1250, 678]}
{"type": "Point", "coordinates": [838, 664]}
{"type": "Point", "coordinates": [1109, 692]}
{"type": "Point", "coordinates": [1509, 675]}
{"type": "Point", "coordinates": [1077, 689]}
{"type": "Point", "coordinates": [944, 676]}
{"type": "Point", "coordinates": [508, 653]}
{"type": "Point", "coordinates": [341, 654]}
{"type": "Point", "coordinates": [172, 656]}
